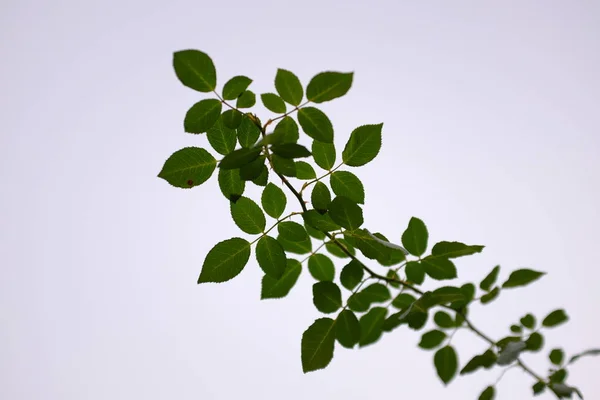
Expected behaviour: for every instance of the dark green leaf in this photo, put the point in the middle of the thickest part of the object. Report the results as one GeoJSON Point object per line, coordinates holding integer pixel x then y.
{"type": "Point", "coordinates": [246, 100]}
{"type": "Point", "coordinates": [195, 70]}
{"type": "Point", "coordinates": [232, 118]}
{"type": "Point", "coordinates": [446, 363]}
{"type": "Point", "coordinates": [253, 169]}
{"type": "Point", "coordinates": [454, 249]}
{"type": "Point", "coordinates": [490, 296]}
{"type": "Point", "coordinates": [316, 124]}
{"type": "Point", "coordinates": [591, 352]}
{"type": "Point", "coordinates": [327, 297]}
{"type": "Point", "coordinates": [535, 342]}
{"type": "Point", "coordinates": [222, 138]}
{"type": "Point", "coordinates": [528, 321]}
{"type": "Point", "coordinates": [415, 272]}
{"type": "Point", "coordinates": [235, 87]}
{"type": "Point", "coordinates": [317, 345]}
{"type": "Point", "coordinates": [443, 319]}
{"type": "Point", "coordinates": [538, 388]}
{"type": "Point", "coordinates": [321, 267]}
{"type": "Point", "coordinates": [277, 288]}
{"type": "Point", "coordinates": [188, 167]}
{"type": "Point", "coordinates": [289, 87]}
{"type": "Point", "coordinates": [504, 341]}
{"type": "Point", "coordinates": [346, 213]}
{"type": "Point", "coordinates": [296, 247]}
{"type": "Point", "coordinates": [288, 129]}
{"type": "Point", "coordinates": [347, 329]}
{"type": "Point", "coordinates": [415, 237]}
{"type": "Point", "coordinates": [490, 279]}
{"type": "Point", "coordinates": [324, 154]}
{"type": "Point", "coordinates": [247, 133]}
{"type": "Point", "coordinates": [273, 102]}
{"type": "Point", "coordinates": [448, 294]}
{"type": "Point", "coordinates": [230, 184]}
{"type": "Point", "coordinates": [334, 249]}
{"type": "Point", "coordinates": [271, 257]}
{"type": "Point", "coordinates": [362, 147]}
{"type": "Point", "coordinates": [344, 183]}
{"type": "Point", "coordinates": [357, 303]}
{"type": "Point", "coordinates": [329, 85]}
{"type": "Point", "coordinates": [284, 166]}
{"type": "Point", "coordinates": [292, 231]}
{"type": "Point", "coordinates": [516, 329]}
{"type": "Point", "coordinates": [290, 150]}
{"type": "Point", "coordinates": [305, 171]}
{"type": "Point", "coordinates": [318, 221]}
{"type": "Point", "coordinates": [485, 360]}
{"type": "Point", "coordinates": [510, 352]}
{"type": "Point", "coordinates": [555, 318]}
{"type": "Point", "coordinates": [488, 394]}
{"type": "Point", "coordinates": [556, 356]}
{"type": "Point", "coordinates": [403, 301]}
{"type": "Point", "coordinates": [263, 178]}
{"type": "Point", "coordinates": [352, 275]}
{"type": "Point", "coordinates": [320, 197]}
{"type": "Point", "coordinates": [225, 260]}
{"type": "Point", "coordinates": [202, 116]}
{"type": "Point", "coordinates": [313, 232]}
{"type": "Point", "coordinates": [248, 216]}
{"type": "Point", "coordinates": [558, 376]}
{"type": "Point", "coordinates": [393, 321]}
{"type": "Point", "coordinates": [371, 326]}
{"type": "Point", "coordinates": [432, 339]}
{"type": "Point", "coordinates": [391, 274]}
{"type": "Point", "coordinates": [375, 293]}
{"type": "Point", "coordinates": [522, 277]}
{"type": "Point", "coordinates": [439, 268]}
{"type": "Point", "coordinates": [273, 200]}
{"type": "Point", "coordinates": [368, 244]}
{"type": "Point", "coordinates": [239, 158]}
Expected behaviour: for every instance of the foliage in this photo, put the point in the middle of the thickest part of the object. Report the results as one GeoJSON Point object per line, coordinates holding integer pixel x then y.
{"type": "Point", "coordinates": [366, 304]}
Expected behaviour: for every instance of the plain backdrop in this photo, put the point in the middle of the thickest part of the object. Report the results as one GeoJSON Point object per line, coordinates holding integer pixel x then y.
{"type": "Point", "coordinates": [491, 136]}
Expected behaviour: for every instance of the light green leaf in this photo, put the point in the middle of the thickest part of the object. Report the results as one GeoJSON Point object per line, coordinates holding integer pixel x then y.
{"type": "Point", "coordinates": [246, 100]}
{"type": "Point", "coordinates": [346, 213]}
{"type": "Point", "coordinates": [273, 103]}
{"type": "Point", "coordinates": [364, 144]}
{"type": "Point", "coordinates": [235, 87]}
{"type": "Point", "coordinates": [454, 249]}
{"type": "Point", "coordinates": [277, 288]}
{"type": "Point", "coordinates": [439, 268]}
{"type": "Point", "coordinates": [371, 326]}
{"type": "Point", "coordinates": [232, 118]}
{"type": "Point", "coordinates": [202, 116]}
{"type": "Point", "coordinates": [321, 267]}
{"type": "Point", "coordinates": [287, 129]}
{"type": "Point", "coordinates": [316, 124]}
{"type": "Point", "coordinates": [317, 345]}
{"type": "Point", "coordinates": [271, 257]}
{"type": "Point", "coordinates": [230, 184]}
{"type": "Point", "coordinates": [238, 158]}
{"type": "Point", "coordinates": [522, 277]}
{"type": "Point", "coordinates": [290, 150]}
{"type": "Point", "coordinates": [305, 171]}
{"type": "Point", "coordinates": [328, 85]}
{"type": "Point", "coordinates": [490, 279]}
{"type": "Point", "coordinates": [221, 138]}
{"type": "Point", "coordinates": [248, 216]}
{"type": "Point", "coordinates": [432, 339]}
{"type": "Point", "coordinates": [195, 70]}
{"type": "Point", "coordinates": [327, 297]}
{"type": "Point", "coordinates": [446, 363]}
{"type": "Point", "coordinates": [188, 167]}
{"type": "Point", "coordinates": [247, 132]}
{"type": "Point", "coordinates": [415, 237]}
{"type": "Point", "coordinates": [347, 330]}
{"type": "Point", "coordinates": [289, 87]}
{"type": "Point", "coordinates": [225, 260]}
{"type": "Point", "coordinates": [344, 183]}
{"type": "Point", "coordinates": [323, 154]}
{"type": "Point", "coordinates": [320, 197]}
{"type": "Point", "coordinates": [352, 275]}
{"type": "Point", "coordinates": [555, 318]}
{"type": "Point", "coordinates": [273, 200]}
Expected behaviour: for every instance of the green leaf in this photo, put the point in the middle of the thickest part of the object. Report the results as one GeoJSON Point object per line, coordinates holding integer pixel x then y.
{"type": "Point", "coordinates": [516, 329]}
{"type": "Point", "coordinates": [357, 303]}
{"type": "Point", "coordinates": [535, 342]}
{"type": "Point", "coordinates": [230, 184]}
{"type": "Point", "coordinates": [317, 345]}
{"type": "Point", "coordinates": [321, 267]}
{"type": "Point", "coordinates": [490, 296]}
{"type": "Point", "coordinates": [443, 320]}
{"type": "Point", "coordinates": [289, 87]}
{"type": "Point", "coordinates": [296, 247]}
{"type": "Point", "coordinates": [320, 197]}
{"type": "Point", "coordinates": [263, 178]}
{"type": "Point", "coordinates": [202, 116]}
{"type": "Point", "coordinates": [490, 279]}
{"type": "Point", "coordinates": [439, 268]}
{"type": "Point", "coordinates": [235, 87]}
{"type": "Point", "coordinates": [403, 301]}
{"type": "Point", "coordinates": [334, 249]}
{"type": "Point", "coordinates": [316, 124]}
{"type": "Point", "coordinates": [239, 158]}
{"type": "Point", "coordinates": [225, 260]}
{"type": "Point", "coordinates": [446, 363]}
{"type": "Point", "coordinates": [305, 171]}
{"type": "Point", "coordinates": [346, 184]}
{"type": "Point", "coordinates": [351, 275]}
{"type": "Point", "coordinates": [415, 272]}
{"type": "Point", "coordinates": [590, 352]}
{"type": "Point", "coordinates": [393, 321]}
{"type": "Point", "coordinates": [485, 360]}
{"type": "Point", "coordinates": [371, 326]}
{"type": "Point", "coordinates": [277, 288]}
{"type": "Point", "coordinates": [454, 249]}
{"type": "Point", "coordinates": [347, 330]}
{"type": "Point", "coordinates": [195, 70]}
{"type": "Point", "coordinates": [290, 150]}
{"type": "Point", "coordinates": [522, 277]}
{"type": "Point", "coordinates": [391, 274]}
{"type": "Point", "coordinates": [273, 200]}
{"type": "Point", "coordinates": [292, 231]}
{"type": "Point", "coordinates": [253, 169]}
{"type": "Point", "coordinates": [346, 213]}
{"type": "Point", "coordinates": [273, 103]}
{"type": "Point", "coordinates": [538, 388]}
{"type": "Point", "coordinates": [320, 222]}
{"type": "Point", "coordinates": [328, 85]}
{"type": "Point", "coordinates": [232, 118]}
{"type": "Point", "coordinates": [376, 293]}
{"type": "Point", "coordinates": [284, 166]}
{"type": "Point", "coordinates": [448, 294]}
{"type": "Point", "coordinates": [415, 237]}
{"type": "Point", "coordinates": [313, 232]}
{"type": "Point", "coordinates": [364, 144]}
{"type": "Point", "coordinates": [488, 394]}
{"type": "Point", "coordinates": [555, 318]}
{"type": "Point", "coordinates": [288, 129]}
{"type": "Point", "coordinates": [271, 257]}
{"type": "Point", "coordinates": [323, 154]}
{"type": "Point", "coordinates": [246, 100]}
{"type": "Point", "coordinates": [221, 138]}
{"type": "Point", "coordinates": [557, 356]}
{"type": "Point", "coordinates": [188, 167]}
{"type": "Point", "coordinates": [528, 321]}
{"type": "Point", "coordinates": [247, 133]}
{"type": "Point", "coordinates": [432, 339]}
{"type": "Point", "coordinates": [248, 216]}
{"type": "Point", "coordinates": [558, 376]}
{"type": "Point", "coordinates": [327, 297]}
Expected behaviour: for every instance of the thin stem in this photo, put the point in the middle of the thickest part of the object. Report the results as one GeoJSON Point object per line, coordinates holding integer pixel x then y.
{"type": "Point", "coordinates": [274, 225]}
{"type": "Point", "coordinates": [270, 121]}
{"type": "Point", "coordinates": [331, 171]}
{"type": "Point", "coordinates": [224, 102]}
